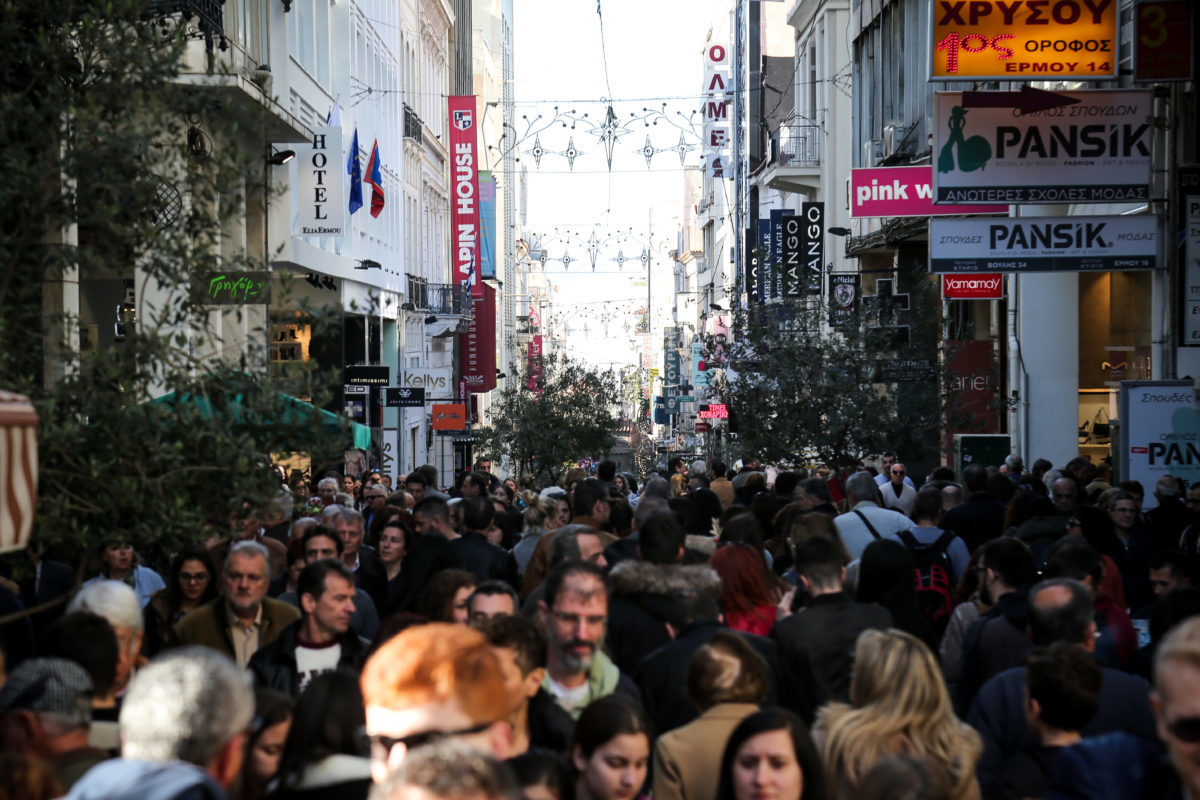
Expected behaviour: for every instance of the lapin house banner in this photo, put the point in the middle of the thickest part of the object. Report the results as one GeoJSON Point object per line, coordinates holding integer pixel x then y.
{"type": "Point", "coordinates": [464, 191]}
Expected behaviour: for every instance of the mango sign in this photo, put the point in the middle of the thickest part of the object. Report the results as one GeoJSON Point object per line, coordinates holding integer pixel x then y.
{"type": "Point", "coordinates": [1024, 39]}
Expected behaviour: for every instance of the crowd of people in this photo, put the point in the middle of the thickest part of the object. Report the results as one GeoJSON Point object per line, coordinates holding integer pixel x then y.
{"type": "Point", "coordinates": [710, 634]}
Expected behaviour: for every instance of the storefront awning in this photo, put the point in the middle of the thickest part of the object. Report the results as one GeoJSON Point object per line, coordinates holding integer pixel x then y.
{"type": "Point", "coordinates": [293, 406]}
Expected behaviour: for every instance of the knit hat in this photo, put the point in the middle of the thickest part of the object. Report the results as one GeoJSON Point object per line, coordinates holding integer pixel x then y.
{"type": "Point", "coordinates": [52, 685]}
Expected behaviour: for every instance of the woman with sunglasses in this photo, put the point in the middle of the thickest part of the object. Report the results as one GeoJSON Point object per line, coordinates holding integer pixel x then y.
{"type": "Point", "coordinates": [191, 584]}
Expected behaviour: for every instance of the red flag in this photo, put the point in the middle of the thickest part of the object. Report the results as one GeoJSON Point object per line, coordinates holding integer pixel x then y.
{"type": "Point", "coordinates": [373, 176]}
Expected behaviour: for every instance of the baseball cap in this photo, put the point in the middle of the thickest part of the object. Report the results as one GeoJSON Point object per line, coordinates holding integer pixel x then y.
{"type": "Point", "coordinates": [52, 685]}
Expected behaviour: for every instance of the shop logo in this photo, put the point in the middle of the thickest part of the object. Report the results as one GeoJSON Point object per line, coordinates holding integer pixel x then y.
{"type": "Point", "coordinates": [973, 153]}
{"type": "Point", "coordinates": [464, 119]}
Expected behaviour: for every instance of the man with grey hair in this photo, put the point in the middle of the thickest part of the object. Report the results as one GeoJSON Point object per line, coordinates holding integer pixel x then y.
{"type": "Point", "coordinates": [45, 712]}
{"type": "Point", "coordinates": [327, 489]}
{"type": "Point", "coordinates": [183, 730]}
{"type": "Point", "coordinates": [369, 573]}
{"type": "Point", "coordinates": [448, 770]}
{"type": "Point", "coordinates": [242, 619]}
{"type": "Point", "coordinates": [866, 522]}
{"type": "Point", "coordinates": [117, 604]}
{"type": "Point", "coordinates": [1015, 467]}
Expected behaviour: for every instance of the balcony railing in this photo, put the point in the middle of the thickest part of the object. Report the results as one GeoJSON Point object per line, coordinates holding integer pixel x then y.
{"type": "Point", "coordinates": [412, 124]}
{"type": "Point", "coordinates": [797, 146]}
{"type": "Point", "coordinates": [439, 298]}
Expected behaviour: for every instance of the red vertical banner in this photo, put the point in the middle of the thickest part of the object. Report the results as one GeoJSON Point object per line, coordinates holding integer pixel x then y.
{"type": "Point", "coordinates": [478, 346]}
{"type": "Point", "coordinates": [464, 191]}
{"type": "Point", "coordinates": [535, 364]}
{"type": "Point", "coordinates": [972, 387]}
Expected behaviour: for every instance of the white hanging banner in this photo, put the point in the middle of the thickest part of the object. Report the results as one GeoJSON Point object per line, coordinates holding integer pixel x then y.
{"type": "Point", "coordinates": [320, 190]}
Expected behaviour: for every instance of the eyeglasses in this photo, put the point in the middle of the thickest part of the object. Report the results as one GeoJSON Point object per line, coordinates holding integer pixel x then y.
{"type": "Point", "coordinates": [897, 472]}
{"type": "Point", "coordinates": [380, 746]}
{"type": "Point", "coordinates": [1186, 729]}
{"type": "Point", "coordinates": [194, 577]}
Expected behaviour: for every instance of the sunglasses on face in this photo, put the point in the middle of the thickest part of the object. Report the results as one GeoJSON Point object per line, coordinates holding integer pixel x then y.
{"type": "Point", "coordinates": [380, 746]}
{"type": "Point", "coordinates": [1186, 729]}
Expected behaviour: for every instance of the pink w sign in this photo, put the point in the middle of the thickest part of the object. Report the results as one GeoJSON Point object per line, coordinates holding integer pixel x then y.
{"type": "Point", "coordinates": [902, 192]}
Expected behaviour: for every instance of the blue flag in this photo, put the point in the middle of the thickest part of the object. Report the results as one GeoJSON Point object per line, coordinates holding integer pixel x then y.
{"type": "Point", "coordinates": [355, 173]}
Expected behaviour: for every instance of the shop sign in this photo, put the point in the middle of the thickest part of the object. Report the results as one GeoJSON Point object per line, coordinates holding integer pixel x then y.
{"type": "Point", "coordinates": [487, 225]}
{"type": "Point", "coordinates": [902, 192]}
{"type": "Point", "coordinates": [320, 190]}
{"type": "Point", "coordinates": [233, 288]}
{"type": "Point", "coordinates": [714, 411]}
{"type": "Point", "coordinates": [753, 279]}
{"type": "Point", "coordinates": [354, 400]}
{"type": "Point", "coordinates": [970, 381]}
{"type": "Point", "coordinates": [449, 416]}
{"type": "Point", "coordinates": [399, 397]}
{"type": "Point", "coordinates": [906, 370]}
{"type": "Point", "coordinates": [1162, 41]}
{"type": "Point", "coordinates": [1043, 244]}
{"type": "Point", "coordinates": [431, 380]}
{"type": "Point", "coordinates": [1096, 150]}
{"type": "Point", "coordinates": [1189, 191]}
{"type": "Point", "coordinates": [1024, 40]}
{"type": "Point", "coordinates": [478, 344]}
{"type": "Point", "coordinates": [1160, 432]}
{"type": "Point", "coordinates": [843, 298]}
{"type": "Point", "coordinates": [464, 190]}
{"type": "Point", "coordinates": [699, 365]}
{"type": "Point", "coordinates": [978, 286]}
{"type": "Point", "coordinates": [702, 427]}
{"type": "Point", "coordinates": [367, 375]}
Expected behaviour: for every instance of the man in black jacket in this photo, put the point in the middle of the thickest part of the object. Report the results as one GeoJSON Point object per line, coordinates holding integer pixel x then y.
{"type": "Point", "coordinates": [320, 641]}
{"type": "Point", "coordinates": [368, 571]}
{"type": "Point", "coordinates": [474, 552]}
{"type": "Point", "coordinates": [980, 517]}
{"type": "Point", "coordinates": [824, 632]}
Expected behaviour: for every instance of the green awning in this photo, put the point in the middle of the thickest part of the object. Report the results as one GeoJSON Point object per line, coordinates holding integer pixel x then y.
{"type": "Point", "coordinates": [361, 433]}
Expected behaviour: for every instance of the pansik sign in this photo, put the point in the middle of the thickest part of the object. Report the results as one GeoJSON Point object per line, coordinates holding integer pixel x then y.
{"type": "Point", "coordinates": [1042, 244]}
{"type": "Point", "coordinates": [980, 286]}
{"type": "Point", "coordinates": [1024, 39]}
{"type": "Point", "coordinates": [902, 192]}
{"type": "Point", "coordinates": [1160, 432]}
{"type": "Point", "coordinates": [1094, 151]}
{"type": "Point", "coordinates": [464, 190]}
{"type": "Point", "coordinates": [319, 187]}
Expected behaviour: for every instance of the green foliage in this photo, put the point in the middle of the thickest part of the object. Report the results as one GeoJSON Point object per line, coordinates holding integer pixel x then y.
{"type": "Point", "coordinates": [805, 393]}
{"type": "Point", "coordinates": [99, 181]}
{"type": "Point", "coordinates": [571, 418]}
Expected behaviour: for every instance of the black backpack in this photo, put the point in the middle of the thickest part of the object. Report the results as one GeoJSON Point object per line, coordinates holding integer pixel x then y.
{"type": "Point", "coordinates": [934, 576]}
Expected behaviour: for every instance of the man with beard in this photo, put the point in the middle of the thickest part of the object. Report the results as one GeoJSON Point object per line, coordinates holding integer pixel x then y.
{"type": "Point", "coordinates": [574, 612]}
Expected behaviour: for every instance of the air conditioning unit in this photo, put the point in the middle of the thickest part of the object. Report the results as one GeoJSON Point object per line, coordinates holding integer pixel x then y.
{"type": "Point", "coordinates": [894, 139]}
{"type": "Point", "coordinates": [872, 152]}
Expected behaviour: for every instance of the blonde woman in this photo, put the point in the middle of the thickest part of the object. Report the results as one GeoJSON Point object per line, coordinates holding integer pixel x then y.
{"type": "Point", "coordinates": [899, 706]}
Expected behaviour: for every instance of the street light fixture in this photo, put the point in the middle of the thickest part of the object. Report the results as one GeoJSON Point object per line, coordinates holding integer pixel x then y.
{"type": "Point", "coordinates": [277, 158]}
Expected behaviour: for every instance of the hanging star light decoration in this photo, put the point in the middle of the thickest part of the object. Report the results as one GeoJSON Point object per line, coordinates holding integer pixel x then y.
{"type": "Point", "coordinates": [593, 249]}
{"type": "Point", "coordinates": [572, 152]}
{"type": "Point", "coordinates": [648, 150]}
{"type": "Point", "coordinates": [684, 147]}
{"type": "Point", "coordinates": [610, 132]}
{"type": "Point", "coordinates": [537, 151]}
